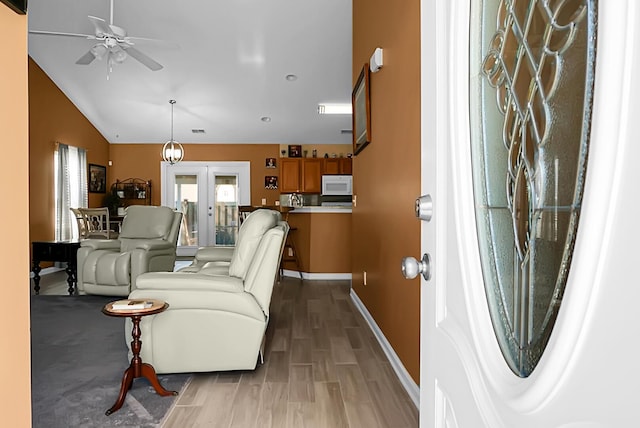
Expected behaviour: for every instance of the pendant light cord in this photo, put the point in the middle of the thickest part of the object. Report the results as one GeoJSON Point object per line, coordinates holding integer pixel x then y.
{"type": "Point", "coordinates": [172, 103]}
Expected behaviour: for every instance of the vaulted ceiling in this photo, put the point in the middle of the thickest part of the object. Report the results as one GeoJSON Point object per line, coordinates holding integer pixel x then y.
{"type": "Point", "coordinates": [225, 63]}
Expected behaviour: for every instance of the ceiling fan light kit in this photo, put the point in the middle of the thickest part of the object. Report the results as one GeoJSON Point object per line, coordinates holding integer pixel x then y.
{"type": "Point", "coordinates": [172, 150]}
{"type": "Point", "coordinates": [98, 51]}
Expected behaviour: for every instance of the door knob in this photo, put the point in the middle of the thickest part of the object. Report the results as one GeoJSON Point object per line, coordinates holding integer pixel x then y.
{"type": "Point", "coordinates": [412, 267]}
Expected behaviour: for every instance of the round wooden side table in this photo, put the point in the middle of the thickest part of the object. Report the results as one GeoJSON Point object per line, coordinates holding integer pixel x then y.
{"type": "Point", "coordinates": [137, 368]}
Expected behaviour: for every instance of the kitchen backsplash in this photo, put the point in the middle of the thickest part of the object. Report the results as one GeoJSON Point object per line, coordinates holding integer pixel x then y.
{"type": "Point", "coordinates": [315, 200]}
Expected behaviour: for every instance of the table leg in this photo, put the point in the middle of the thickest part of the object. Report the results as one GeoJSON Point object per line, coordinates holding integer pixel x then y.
{"type": "Point", "coordinates": [137, 369]}
{"type": "Point", "coordinates": [36, 276]}
{"type": "Point", "coordinates": [127, 381]}
{"type": "Point", "coordinates": [71, 277]}
{"type": "Point", "coordinates": [149, 373]}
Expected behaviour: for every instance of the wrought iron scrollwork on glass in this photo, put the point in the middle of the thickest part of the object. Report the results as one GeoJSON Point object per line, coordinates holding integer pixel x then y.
{"type": "Point", "coordinates": [530, 113]}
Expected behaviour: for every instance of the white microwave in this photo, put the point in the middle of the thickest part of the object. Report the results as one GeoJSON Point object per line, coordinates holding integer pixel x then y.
{"type": "Point", "coordinates": [337, 185]}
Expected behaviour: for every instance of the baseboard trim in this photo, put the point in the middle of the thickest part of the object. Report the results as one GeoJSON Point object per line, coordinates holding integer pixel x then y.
{"type": "Point", "coordinates": [47, 271]}
{"type": "Point", "coordinates": [405, 378]}
{"type": "Point", "coordinates": [317, 276]}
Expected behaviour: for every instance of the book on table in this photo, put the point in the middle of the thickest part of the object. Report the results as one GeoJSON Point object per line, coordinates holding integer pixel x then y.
{"type": "Point", "coordinates": [130, 305]}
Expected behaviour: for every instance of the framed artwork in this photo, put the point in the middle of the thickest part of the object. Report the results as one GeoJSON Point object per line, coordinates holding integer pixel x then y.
{"type": "Point", "coordinates": [361, 116]}
{"type": "Point", "coordinates": [270, 182]}
{"type": "Point", "coordinates": [295, 151]}
{"type": "Point", "coordinates": [18, 6]}
{"type": "Point", "coordinates": [97, 178]}
{"type": "Point", "coordinates": [270, 163]}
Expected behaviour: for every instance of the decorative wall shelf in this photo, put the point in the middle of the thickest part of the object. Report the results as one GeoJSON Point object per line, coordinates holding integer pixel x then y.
{"type": "Point", "coordinates": [133, 191]}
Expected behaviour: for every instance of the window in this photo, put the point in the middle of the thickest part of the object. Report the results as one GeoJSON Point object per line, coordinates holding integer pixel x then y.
{"type": "Point", "coordinates": [531, 88]}
{"type": "Point", "coordinates": [70, 182]}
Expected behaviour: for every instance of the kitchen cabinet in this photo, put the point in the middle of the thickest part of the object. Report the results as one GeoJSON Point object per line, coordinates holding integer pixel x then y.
{"type": "Point", "coordinates": [311, 173]}
{"type": "Point", "coordinates": [300, 175]}
{"type": "Point", "coordinates": [346, 166]}
{"type": "Point", "coordinates": [337, 166]}
{"type": "Point", "coordinates": [289, 175]}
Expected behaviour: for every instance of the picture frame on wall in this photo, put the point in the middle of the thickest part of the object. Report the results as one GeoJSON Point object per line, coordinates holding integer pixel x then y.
{"type": "Point", "coordinates": [97, 178]}
{"type": "Point", "coordinates": [361, 116]}
{"type": "Point", "coordinates": [18, 6]}
{"type": "Point", "coordinates": [295, 151]}
{"type": "Point", "coordinates": [271, 182]}
{"type": "Point", "coordinates": [270, 163]}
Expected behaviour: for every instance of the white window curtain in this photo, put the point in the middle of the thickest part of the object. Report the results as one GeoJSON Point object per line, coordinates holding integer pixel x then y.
{"type": "Point", "coordinates": [70, 169]}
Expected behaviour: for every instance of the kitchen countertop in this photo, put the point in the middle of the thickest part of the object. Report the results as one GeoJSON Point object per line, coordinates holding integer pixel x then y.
{"type": "Point", "coordinates": [322, 209]}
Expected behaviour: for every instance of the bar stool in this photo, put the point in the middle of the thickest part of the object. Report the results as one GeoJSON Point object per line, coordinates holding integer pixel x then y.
{"type": "Point", "coordinates": [289, 253]}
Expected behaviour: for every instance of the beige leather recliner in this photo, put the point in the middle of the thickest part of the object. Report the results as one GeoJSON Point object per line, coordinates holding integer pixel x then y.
{"type": "Point", "coordinates": [214, 322]}
{"type": "Point", "coordinates": [213, 258]}
{"type": "Point", "coordinates": [147, 243]}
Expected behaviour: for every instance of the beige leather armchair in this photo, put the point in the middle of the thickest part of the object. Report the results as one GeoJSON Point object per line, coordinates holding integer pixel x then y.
{"type": "Point", "coordinates": [214, 322]}
{"type": "Point", "coordinates": [147, 243]}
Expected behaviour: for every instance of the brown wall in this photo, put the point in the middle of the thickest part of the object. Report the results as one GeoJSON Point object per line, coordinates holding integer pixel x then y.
{"type": "Point", "coordinates": [387, 173]}
{"type": "Point", "coordinates": [127, 163]}
{"type": "Point", "coordinates": [331, 237]}
{"type": "Point", "coordinates": [15, 368]}
{"type": "Point", "coordinates": [323, 242]}
{"type": "Point", "coordinates": [53, 118]}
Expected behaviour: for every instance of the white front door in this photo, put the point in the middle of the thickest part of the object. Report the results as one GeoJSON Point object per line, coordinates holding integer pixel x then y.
{"type": "Point", "coordinates": [575, 290]}
{"type": "Point", "coordinates": [208, 194]}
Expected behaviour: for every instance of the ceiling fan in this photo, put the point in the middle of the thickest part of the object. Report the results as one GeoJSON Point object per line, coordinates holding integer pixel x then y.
{"type": "Point", "coordinates": [113, 43]}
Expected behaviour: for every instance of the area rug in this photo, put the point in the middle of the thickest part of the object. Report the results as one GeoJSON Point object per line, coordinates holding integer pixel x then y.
{"type": "Point", "coordinates": [78, 356]}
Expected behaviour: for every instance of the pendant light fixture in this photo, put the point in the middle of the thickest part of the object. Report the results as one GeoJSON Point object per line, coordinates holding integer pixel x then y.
{"type": "Point", "coordinates": [172, 151]}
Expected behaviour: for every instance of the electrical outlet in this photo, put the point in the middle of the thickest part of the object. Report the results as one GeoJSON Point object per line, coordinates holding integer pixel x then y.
{"type": "Point", "coordinates": [354, 201]}
{"type": "Point", "coordinates": [264, 201]}
{"type": "Point", "coordinates": [364, 278]}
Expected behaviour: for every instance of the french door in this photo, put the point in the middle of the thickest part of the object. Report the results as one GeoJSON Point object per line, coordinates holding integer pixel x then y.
{"type": "Point", "coordinates": [208, 194]}
{"type": "Point", "coordinates": [529, 316]}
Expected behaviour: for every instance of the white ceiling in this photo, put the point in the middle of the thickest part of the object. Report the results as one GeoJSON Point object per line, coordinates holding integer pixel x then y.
{"type": "Point", "coordinates": [225, 63]}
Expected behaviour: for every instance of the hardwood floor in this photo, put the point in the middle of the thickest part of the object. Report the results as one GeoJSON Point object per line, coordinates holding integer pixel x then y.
{"type": "Point", "coordinates": [323, 368]}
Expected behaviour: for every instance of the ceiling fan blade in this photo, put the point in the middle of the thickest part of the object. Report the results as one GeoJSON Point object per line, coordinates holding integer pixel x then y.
{"type": "Point", "coordinates": [119, 32]}
{"type": "Point", "coordinates": [144, 59]}
{"type": "Point", "coordinates": [86, 58]}
{"type": "Point", "coordinates": [55, 33]}
{"type": "Point", "coordinates": [101, 26]}
{"type": "Point", "coordinates": [144, 40]}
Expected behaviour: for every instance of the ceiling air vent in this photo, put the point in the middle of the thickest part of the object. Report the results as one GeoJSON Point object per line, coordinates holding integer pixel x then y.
{"type": "Point", "coordinates": [346, 131]}
{"type": "Point", "coordinates": [198, 131]}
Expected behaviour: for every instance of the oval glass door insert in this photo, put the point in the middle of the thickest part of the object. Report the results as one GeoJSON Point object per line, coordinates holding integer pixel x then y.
{"type": "Point", "coordinates": [531, 88]}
